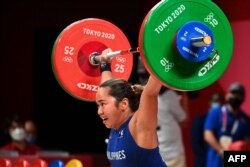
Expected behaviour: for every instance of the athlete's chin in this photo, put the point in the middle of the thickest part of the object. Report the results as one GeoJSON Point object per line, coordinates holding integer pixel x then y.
{"type": "Point", "coordinates": [107, 125]}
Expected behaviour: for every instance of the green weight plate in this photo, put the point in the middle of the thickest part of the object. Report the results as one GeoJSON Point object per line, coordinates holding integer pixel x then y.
{"type": "Point", "coordinates": [158, 50]}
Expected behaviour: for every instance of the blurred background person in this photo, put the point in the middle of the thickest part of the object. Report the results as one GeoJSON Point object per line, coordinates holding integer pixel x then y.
{"type": "Point", "coordinates": [31, 131]}
{"type": "Point", "coordinates": [198, 143]}
{"type": "Point", "coordinates": [172, 117]}
{"type": "Point", "coordinates": [17, 133]}
{"type": "Point", "coordinates": [225, 125]}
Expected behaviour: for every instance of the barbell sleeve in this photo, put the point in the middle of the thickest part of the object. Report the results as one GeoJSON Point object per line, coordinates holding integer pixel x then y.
{"type": "Point", "coordinates": [201, 41]}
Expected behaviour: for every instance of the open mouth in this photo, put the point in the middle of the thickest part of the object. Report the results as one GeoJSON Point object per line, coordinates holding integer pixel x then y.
{"type": "Point", "coordinates": [104, 119]}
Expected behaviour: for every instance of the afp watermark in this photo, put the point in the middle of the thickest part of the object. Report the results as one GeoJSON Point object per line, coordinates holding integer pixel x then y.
{"type": "Point", "coordinates": [236, 158]}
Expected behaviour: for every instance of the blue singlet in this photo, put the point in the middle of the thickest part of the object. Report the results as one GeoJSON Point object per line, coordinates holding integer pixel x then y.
{"type": "Point", "coordinates": [122, 151]}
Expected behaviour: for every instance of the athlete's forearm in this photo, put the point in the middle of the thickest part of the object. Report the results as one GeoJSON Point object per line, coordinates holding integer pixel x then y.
{"type": "Point", "coordinates": [106, 75]}
{"type": "Point", "coordinates": [153, 86]}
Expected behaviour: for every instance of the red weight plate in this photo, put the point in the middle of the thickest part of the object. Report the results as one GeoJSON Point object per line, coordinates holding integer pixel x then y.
{"type": "Point", "coordinates": [5, 162]}
{"type": "Point", "coordinates": [22, 163]}
{"type": "Point", "coordinates": [39, 163]}
{"type": "Point", "coordinates": [71, 51]}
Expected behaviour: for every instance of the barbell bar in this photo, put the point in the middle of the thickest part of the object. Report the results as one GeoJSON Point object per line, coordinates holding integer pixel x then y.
{"type": "Point", "coordinates": [94, 58]}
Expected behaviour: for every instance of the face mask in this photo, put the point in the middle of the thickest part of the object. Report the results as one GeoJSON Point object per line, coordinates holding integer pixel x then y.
{"type": "Point", "coordinates": [18, 134]}
{"type": "Point", "coordinates": [235, 102]}
{"type": "Point", "coordinates": [215, 105]}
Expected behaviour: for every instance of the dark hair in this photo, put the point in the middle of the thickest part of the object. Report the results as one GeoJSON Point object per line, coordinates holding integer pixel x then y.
{"type": "Point", "coordinates": [237, 88]}
{"type": "Point", "coordinates": [13, 118]}
{"type": "Point", "coordinates": [216, 97]}
{"type": "Point", "coordinates": [120, 89]}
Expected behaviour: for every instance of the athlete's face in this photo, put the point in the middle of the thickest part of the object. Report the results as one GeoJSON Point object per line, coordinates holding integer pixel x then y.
{"type": "Point", "coordinates": [107, 110]}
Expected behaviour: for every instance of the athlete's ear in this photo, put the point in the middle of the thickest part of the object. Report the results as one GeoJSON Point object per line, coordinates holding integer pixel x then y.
{"type": "Point", "coordinates": [124, 104]}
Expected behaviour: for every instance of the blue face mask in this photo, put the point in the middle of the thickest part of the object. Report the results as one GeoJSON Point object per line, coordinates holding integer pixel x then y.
{"type": "Point", "coordinates": [30, 139]}
{"type": "Point", "coordinates": [215, 105]}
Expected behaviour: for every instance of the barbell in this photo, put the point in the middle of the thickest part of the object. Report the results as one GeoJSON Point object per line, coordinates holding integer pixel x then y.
{"type": "Point", "coordinates": [186, 44]}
